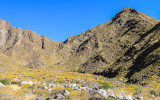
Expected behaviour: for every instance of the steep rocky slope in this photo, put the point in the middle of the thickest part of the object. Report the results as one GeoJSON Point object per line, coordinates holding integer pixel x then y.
{"type": "Point", "coordinates": [25, 45]}
{"type": "Point", "coordinates": [127, 46]}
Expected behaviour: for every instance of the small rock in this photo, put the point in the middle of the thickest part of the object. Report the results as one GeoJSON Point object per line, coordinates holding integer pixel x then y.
{"type": "Point", "coordinates": [95, 88]}
{"type": "Point", "coordinates": [50, 90]}
{"type": "Point", "coordinates": [52, 85]}
{"type": "Point", "coordinates": [72, 85]}
{"type": "Point", "coordinates": [120, 97]}
{"type": "Point", "coordinates": [77, 87]}
{"type": "Point", "coordinates": [50, 99]}
{"type": "Point", "coordinates": [60, 96]}
{"type": "Point", "coordinates": [112, 95]}
{"type": "Point", "coordinates": [83, 88]}
{"type": "Point", "coordinates": [2, 85]}
{"type": "Point", "coordinates": [44, 84]}
{"type": "Point", "coordinates": [153, 96]}
{"type": "Point", "coordinates": [45, 87]}
{"type": "Point", "coordinates": [62, 92]}
{"type": "Point", "coordinates": [27, 82]}
{"type": "Point", "coordinates": [17, 79]}
{"type": "Point", "coordinates": [66, 93]}
{"type": "Point", "coordinates": [128, 97]}
{"type": "Point", "coordinates": [103, 93]}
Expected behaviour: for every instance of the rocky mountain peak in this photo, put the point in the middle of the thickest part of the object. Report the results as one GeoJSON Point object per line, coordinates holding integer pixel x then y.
{"type": "Point", "coordinates": [130, 10]}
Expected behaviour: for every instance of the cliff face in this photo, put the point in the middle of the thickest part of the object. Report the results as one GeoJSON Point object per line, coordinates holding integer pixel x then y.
{"type": "Point", "coordinates": [125, 47]}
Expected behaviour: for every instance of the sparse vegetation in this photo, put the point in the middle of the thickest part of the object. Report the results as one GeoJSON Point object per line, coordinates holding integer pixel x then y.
{"type": "Point", "coordinates": [137, 91]}
{"type": "Point", "coordinates": [58, 82]}
{"type": "Point", "coordinates": [153, 92]}
{"type": "Point", "coordinates": [5, 81]}
{"type": "Point", "coordinates": [105, 85]}
{"type": "Point", "coordinates": [109, 98]}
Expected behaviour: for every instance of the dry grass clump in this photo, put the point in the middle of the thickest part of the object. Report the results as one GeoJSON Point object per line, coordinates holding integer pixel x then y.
{"type": "Point", "coordinates": [11, 93]}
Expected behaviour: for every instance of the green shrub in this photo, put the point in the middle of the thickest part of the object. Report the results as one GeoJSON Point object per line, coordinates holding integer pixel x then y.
{"type": "Point", "coordinates": [105, 85]}
{"type": "Point", "coordinates": [128, 84]}
{"type": "Point", "coordinates": [137, 90]}
{"type": "Point", "coordinates": [14, 82]}
{"type": "Point", "coordinates": [58, 82]}
{"type": "Point", "coordinates": [153, 92]}
{"type": "Point", "coordinates": [5, 81]}
{"type": "Point", "coordinates": [31, 87]}
{"type": "Point", "coordinates": [109, 98]}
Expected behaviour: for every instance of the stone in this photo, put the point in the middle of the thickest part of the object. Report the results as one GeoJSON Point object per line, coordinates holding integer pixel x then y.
{"type": "Point", "coordinates": [45, 87]}
{"type": "Point", "coordinates": [17, 79]}
{"type": "Point", "coordinates": [44, 84]}
{"type": "Point", "coordinates": [72, 85]}
{"type": "Point", "coordinates": [27, 82]}
{"type": "Point", "coordinates": [2, 85]}
{"type": "Point", "coordinates": [128, 97]}
{"type": "Point", "coordinates": [52, 85]}
{"type": "Point", "coordinates": [103, 93]}
{"type": "Point", "coordinates": [60, 96]}
{"type": "Point", "coordinates": [66, 93]}
{"type": "Point", "coordinates": [50, 90]}
{"type": "Point", "coordinates": [83, 88]}
{"type": "Point", "coordinates": [62, 92]}
{"type": "Point", "coordinates": [120, 96]}
{"type": "Point", "coordinates": [77, 87]}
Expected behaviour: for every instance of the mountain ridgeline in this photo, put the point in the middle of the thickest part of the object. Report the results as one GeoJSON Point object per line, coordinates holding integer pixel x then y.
{"type": "Point", "coordinates": [128, 46]}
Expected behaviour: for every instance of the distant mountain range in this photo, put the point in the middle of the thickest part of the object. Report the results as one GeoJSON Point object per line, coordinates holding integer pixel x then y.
{"type": "Point", "coordinates": [128, 46]}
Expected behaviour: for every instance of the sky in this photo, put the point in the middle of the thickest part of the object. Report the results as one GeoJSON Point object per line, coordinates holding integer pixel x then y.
{"type": "Point", "coordinates": [60, 19]}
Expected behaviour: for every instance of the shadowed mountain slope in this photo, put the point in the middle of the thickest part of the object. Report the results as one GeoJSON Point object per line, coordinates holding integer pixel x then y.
{"type": "Point", "coordinates": [124, 46]}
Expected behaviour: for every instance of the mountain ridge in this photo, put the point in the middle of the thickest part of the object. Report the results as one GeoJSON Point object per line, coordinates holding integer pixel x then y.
{"type": "Point", "coordinates": [126, 45]}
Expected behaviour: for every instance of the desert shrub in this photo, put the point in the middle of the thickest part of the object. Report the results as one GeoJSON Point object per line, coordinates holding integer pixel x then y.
{"type": "Point", "coordinates": [5, 81]}
{"type": "Point", "coordinates": [105, 85]}
{"type": "Point", "coordinates": [109, 98]}
{"type": "Point", "coordinates": [31, 87]}
{"type": "Point", "coordinates": [82, 95]}
{"type": "Point", "coordinates": [14, 82]}
{"type": "Point", "coordinates": [153, 92]}
{"type": "Point", "coordinates": [128, 84]}
{"type": "Point", "coordinates": [58, 82]}
{"type": "Point", "coordinates": [137, 91]}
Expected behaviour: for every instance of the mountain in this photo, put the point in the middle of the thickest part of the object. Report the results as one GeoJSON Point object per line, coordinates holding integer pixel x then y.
{"type": "Point", "coordinates": [25, 45]}
{"type": "Point", "coordinates": [128, 46]}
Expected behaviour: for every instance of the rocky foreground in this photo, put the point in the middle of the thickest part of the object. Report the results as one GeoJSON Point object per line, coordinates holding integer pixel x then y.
{"type": "Point", "coordinates": [63, 93]}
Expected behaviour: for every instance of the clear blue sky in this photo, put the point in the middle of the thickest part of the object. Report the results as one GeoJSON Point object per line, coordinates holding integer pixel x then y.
{"type": "Point", "coordinates": [59, 19]}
